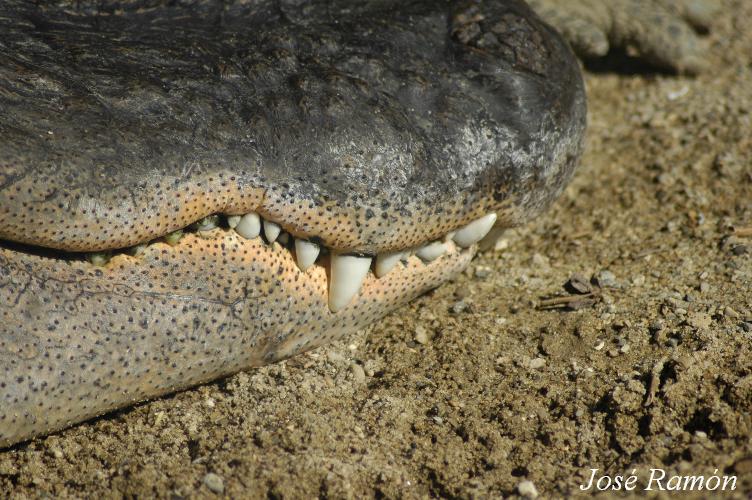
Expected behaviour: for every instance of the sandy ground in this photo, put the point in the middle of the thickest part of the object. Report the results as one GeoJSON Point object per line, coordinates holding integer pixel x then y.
{"type": "Point", "coordinates": [475, 388]}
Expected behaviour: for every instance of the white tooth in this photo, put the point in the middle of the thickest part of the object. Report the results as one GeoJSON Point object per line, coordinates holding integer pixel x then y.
{"type": "Point", "coordinates": [385, 262]}
{"type": "Point", "coordinates": [283, 238]}
{"type": "Point", "coordinates": [346, 277]}
{"type": "Point", "coordinates": [475, 231]}
{"type": "Point", "coordinates": [305, 253]}
{"type": "Point", "coordinates": [233, 220]}
{"type": "Point", "coordinates": [249, 226]}
{"type": "Point", "coordinates": [271, 231]}
{"type": "Point", "coordinates": [431, 251]}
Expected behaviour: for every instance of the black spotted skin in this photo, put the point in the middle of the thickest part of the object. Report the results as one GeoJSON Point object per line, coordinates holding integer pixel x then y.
{"type": "Point", "coordinates": [78, 340]}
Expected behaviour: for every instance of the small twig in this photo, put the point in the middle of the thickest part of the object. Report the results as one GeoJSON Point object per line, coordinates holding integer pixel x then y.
{"type": "Point", "coordinates": [649, 251]}
{"type": "Point", "coordinates": [655, 381]}
{"type": "Point", "coordinates": [570, 301]}
{"type": "Point", "coordinates": [580, 235]}
{"type": "Point", "coordinates": [742, 232]}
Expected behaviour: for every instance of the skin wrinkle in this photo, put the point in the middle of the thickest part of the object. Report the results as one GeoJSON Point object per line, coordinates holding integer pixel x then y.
{"type": "Point", "coordinates": [151, 133]}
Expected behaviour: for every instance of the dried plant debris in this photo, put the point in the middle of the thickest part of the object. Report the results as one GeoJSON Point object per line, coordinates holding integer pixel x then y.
{"type": "Point", "coordinates": [584, 292]}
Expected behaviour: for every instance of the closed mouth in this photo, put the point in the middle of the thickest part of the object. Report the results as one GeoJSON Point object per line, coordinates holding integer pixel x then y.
{"type": "Point", "coordinates": [174, 209]}
{"type": "Point", "coordinates": [346, 271]}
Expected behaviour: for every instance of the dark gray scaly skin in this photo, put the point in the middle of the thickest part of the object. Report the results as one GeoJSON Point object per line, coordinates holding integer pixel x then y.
{"type": "Point", "coordinates": [365, 126]}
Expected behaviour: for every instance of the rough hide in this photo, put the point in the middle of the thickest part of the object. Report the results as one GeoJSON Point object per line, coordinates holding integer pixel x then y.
{"type": "Point", "coordinates": [364, 127]}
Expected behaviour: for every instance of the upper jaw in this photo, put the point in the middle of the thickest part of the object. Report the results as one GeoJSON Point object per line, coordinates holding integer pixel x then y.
{"type": "Point", "coordinates": [363, 152]}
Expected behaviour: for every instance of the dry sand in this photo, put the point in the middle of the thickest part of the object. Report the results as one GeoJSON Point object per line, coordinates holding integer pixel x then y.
{"type": "Point", "coordinates": [473, 389]}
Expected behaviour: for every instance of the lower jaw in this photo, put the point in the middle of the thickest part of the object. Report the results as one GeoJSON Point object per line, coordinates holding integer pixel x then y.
{"type": "Point", "coordinates": [77, 341]}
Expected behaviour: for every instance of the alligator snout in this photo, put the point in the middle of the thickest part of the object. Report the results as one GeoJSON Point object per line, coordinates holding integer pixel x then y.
{"type": "Point", "coordinates": [189, 191]}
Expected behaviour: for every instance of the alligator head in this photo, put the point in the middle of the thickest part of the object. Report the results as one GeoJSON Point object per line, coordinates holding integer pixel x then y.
{"type": "Point", "coordinates": [324, 162]}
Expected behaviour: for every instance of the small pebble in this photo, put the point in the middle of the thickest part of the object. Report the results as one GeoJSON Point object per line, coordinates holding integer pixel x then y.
{"type": "Point", "coordinates": [527, 489]}
{"type": "Point", "coordinates": [214, 483]}
{"type": "Point", "coordinates": [159, 417]}
{"type": "Point", "coordinates": [537, 363]}
{"type": "Point", "coordinates": [740, 250]}
{"type": "Point", "coordinates": [483, 272]}
{"type": "Point", "coordinates": [459, 307]}
{"type": "Point", "coordinates": [606, 279]}
{"type": "Point", "coordinates": [579, 283]}
{"type": "Point", "coordinates": [731, 313]}
{"type": "Point", "coordinates": [501, 244]}
{"type": "Point", "coordinates": [359, 374]}
{"type": "Point", "coordinates": [370, 368]}
{"type": "Point", "coordinates": [421, 335]}
{"type": "Point", "coordinates": [656, 325]}
{"type": "Point", "coordinates": [335, 357]}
